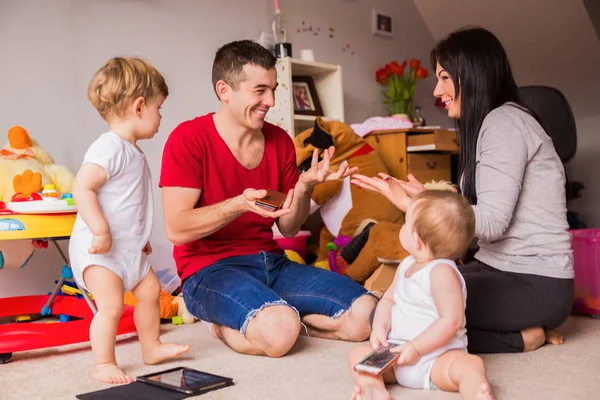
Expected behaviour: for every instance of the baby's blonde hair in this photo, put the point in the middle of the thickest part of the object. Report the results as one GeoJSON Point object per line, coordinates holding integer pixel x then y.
{"type": "Point", "coordinates": [445, 221]}
{"type": "Point", "coordinates": [122, 80]}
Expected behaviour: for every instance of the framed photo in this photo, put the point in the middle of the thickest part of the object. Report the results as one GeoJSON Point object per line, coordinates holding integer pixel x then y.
{"type": "Point", "coordinates": [382, 24]}
{"type": "Point", "coordinates": [305, 97]}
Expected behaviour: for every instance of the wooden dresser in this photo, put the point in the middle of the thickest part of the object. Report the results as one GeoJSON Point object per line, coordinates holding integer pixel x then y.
{"type": "Point", "coordinates": [424, 152]}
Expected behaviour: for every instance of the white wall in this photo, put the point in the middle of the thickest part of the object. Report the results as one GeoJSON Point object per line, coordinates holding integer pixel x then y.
{"type": "Point", "coordinates": [51, 48]}
{"type": "Point", "coordinates": [585, 167]}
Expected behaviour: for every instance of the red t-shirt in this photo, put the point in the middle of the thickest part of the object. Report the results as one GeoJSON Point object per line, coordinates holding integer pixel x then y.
{"type": "Point", "coordinates": [195, 156]}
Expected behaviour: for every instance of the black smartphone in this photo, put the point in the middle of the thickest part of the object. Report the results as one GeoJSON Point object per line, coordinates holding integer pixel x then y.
{"type": "Point", "coordinates": [186, 380]}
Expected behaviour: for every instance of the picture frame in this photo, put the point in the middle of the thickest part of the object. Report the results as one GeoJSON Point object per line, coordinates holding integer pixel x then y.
{"type": "Point", "coordinates": [383, 24]}
{"type": "Point", "coordinates": [305, 97]}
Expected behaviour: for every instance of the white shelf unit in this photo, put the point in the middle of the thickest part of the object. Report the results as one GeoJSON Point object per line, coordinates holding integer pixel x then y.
{"type": "Point", "coordinates": [328, 84]}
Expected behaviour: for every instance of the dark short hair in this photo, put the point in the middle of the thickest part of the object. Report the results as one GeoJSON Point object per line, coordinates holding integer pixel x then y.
{"type": "Point", "coordinates": [231, 58]}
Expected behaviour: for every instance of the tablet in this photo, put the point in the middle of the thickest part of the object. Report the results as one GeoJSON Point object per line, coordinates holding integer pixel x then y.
{"type": "Point", "coordinates": [186, 380]}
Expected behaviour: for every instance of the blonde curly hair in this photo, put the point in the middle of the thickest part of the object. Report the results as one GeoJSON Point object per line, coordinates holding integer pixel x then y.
{"type": "Point", "coordinates": [122, 80]}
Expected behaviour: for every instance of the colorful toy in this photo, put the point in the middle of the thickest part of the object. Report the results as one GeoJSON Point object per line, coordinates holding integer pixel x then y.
{"type": "Point", "coordinates": [22, 154]}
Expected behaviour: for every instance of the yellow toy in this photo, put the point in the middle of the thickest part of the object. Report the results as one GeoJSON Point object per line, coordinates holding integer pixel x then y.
{"type": "Point", "coordinates": [25, 167]}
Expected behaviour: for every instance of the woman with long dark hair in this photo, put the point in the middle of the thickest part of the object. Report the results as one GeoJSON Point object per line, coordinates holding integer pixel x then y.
{"type": "Point", "coordinates": [522, 284]}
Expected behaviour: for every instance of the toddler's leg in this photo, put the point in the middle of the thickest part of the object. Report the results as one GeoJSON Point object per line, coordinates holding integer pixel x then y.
{"type": "Point", "coordinates": [460, 371]}
{"type": "Point", "coordinates": [368, 387]}
{"type": "Point", "coordinates": [147, 322]}
{"type": "Point", "coordinates": [107, 288]}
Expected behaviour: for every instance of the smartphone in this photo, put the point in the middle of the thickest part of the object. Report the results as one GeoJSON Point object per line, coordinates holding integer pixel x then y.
{"type": "Point", "coordinates": [186, 380]}
{"type": "Point", "coordinates": [272, 201]}
{"type": "Point", "coordinates": [379, 359]}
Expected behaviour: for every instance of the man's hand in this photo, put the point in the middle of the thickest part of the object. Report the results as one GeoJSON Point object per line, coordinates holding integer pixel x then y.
{"type": "Point", "coordinates": [147, 249]}
{"type": "Point", "coordinates": [319, 171]}
{"type": "Point", "coordinates": [101, 244]}
{"type": "Point", "coordinates": [250, 196]}
{"type": "Point", "coordinates": [408, 354]}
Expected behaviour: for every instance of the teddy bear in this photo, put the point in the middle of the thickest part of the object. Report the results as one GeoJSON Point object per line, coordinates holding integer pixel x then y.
{"type": "Point", "coordinates": [343, 206]}
{"type": "Point", "coordinates": [361, 227]}
{"type": "Point", "coordinates": [25, 167]}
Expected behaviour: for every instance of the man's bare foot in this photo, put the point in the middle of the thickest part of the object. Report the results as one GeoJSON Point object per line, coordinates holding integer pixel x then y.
{"type": "Point", "coordinates": [533, 338]}
{"type": "Point", "coordinates": [554, 337]}
{"type": "Point", "coordinates": [370, 392]}
{"type": "Point", "coordinates": [162, 352]}
{"type": "Point", "coordinates": [110, 373]}
{"type": "Point", "coordinates": [485, 392]}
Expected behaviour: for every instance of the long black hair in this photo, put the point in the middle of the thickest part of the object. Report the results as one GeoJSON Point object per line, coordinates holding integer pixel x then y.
{"type": "Point", "coordinates": [480, 70]}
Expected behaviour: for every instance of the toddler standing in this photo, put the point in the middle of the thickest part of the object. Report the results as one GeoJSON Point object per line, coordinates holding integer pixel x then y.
{"type": "Point", "coordinates": [109, 246]}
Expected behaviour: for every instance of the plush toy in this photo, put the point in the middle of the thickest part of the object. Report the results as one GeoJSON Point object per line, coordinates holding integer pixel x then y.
{"type": "Point", "coordinates": [170, 306]}
{"type": "Point", "coordinates": [25, 167]}
{"type": "Point", "coordinates": [343, 206]}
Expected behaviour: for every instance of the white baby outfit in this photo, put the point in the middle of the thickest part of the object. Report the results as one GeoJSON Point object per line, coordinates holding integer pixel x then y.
{"type": "Point", "coordinates": [413, 312]}
{"type": "Point", "coordinates": [126, 202]}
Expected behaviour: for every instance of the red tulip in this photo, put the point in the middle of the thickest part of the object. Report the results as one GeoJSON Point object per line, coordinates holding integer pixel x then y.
{"type": "Point", "coordinates": [415, 64]}
{"type": "Point", "coordinates": [421, 73]}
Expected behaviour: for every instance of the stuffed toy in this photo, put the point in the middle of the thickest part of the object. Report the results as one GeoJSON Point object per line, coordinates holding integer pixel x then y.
{"type": "Point", "coordinates": [25, 167]}
{"type": "Point", "coordinates": [343, 206]}
{"type": "Point", "coordinates": [170, 307]}
{"type": "Point", "coordinates": [361, 228]}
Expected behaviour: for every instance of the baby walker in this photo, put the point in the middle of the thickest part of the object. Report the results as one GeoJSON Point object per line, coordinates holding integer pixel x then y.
{"type": "Point", "coordinates": [46, 217]}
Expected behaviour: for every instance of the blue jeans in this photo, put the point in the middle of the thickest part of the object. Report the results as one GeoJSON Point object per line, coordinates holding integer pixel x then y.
{"type": "Point", "coordinates": [233, 290]}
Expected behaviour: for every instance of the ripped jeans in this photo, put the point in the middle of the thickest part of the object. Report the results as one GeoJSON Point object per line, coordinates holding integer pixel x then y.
{"type": "Point", "coordinates": [233, 290]}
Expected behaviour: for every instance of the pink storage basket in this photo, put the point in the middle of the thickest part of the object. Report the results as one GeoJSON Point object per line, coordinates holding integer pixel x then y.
{"type": "Point", "coordinates": [297, 243]}
{"type": "Point", "coordinates": [586, 251]}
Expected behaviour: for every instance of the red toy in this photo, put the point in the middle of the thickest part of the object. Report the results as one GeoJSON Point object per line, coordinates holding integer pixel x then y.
{"type": "Point", "coordinates": [23, 336]}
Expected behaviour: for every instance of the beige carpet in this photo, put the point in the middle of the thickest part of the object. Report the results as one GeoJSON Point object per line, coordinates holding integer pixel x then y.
{"type": "Point", "coordinates": [315, 369]}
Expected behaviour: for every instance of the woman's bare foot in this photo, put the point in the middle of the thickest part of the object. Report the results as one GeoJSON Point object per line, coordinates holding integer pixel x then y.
{"type": "Point", "coordinates": [485, 392]}
{"type": "Point", "coordinates": [162, 352]}
{"type": "Point", "coordinates": [554, 337]}
{"type": "Point", "coordinates": [370, 392]}
{"type": "Point", "coordinates": [110, 373]}
{"type": "Point", "coordinates": [533, 338]}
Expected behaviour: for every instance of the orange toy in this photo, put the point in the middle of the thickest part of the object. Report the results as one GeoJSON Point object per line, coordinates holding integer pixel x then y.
{"type": "Point", "coordinates": [168, 307]}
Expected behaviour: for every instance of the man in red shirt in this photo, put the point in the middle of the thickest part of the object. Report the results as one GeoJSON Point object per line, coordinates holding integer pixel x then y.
{"type": "Point", "coordinates": [234, 274]}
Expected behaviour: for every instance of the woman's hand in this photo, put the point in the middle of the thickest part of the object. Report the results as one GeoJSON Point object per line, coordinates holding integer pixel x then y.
{"type": "Point", "coordinates": [389, 187]}
{"type": "Point", "coordinates": [413, 187]}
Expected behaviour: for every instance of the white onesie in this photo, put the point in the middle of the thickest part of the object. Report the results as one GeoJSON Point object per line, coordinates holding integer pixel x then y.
{"type": "Point", "coordinates": [126, 201]}
{"type": "Point", "coordinates": [413, 312]}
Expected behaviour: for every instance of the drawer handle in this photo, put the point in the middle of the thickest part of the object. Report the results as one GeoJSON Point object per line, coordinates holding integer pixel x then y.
{"type": "Point", "coordinates": [401, 160]}
{"type": "Point", "coordinates": [455, 141]}
{"type": "Point", "coordinates": [431, 165]}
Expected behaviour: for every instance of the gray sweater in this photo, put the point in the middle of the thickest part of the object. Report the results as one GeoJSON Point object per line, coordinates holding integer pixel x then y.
{"type": "Point", "coordinates": [521, 208]}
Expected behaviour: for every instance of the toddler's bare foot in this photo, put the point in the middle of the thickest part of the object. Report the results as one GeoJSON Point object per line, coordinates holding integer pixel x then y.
{"type": "Point", "coordinates": [110, 373]}
{"type": "Point", "coordinates": [162, 352]}
{"type": "Point", "coordinates": [554, 337]}
{"type": "Point", "coordinates": [370, 392]}
{"type": "Point", "coordinates": [533, 338]}
{"type": "Point", "coordinates": [485, 392]}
